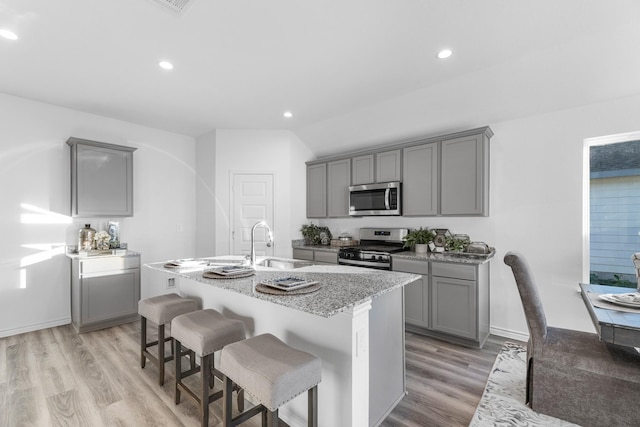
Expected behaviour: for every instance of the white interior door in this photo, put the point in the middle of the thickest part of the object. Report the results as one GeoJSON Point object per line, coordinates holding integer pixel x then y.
{"type": "Point", "coordinates": [252, 202]}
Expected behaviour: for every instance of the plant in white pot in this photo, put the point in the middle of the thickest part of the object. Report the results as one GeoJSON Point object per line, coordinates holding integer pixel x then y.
{"type": "Point", "coordinates": [419, 239]}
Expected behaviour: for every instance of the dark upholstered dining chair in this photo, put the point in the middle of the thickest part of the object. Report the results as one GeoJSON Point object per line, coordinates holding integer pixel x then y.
{"type": "Point", "coordinates": [572, 375]}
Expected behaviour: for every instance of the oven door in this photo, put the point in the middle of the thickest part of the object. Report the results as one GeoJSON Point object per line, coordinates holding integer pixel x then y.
{"type": "Point", "coordinates": [375, 199]}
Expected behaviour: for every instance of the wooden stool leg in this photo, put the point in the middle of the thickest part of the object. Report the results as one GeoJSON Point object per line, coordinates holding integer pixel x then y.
{"type": "Point", "coordinates": [240, 399]}
{"type": "Point", "coordinates": [161, 353]}
{"type": "Point", "coordinates": [178, 370]}
{"type": "Point", "coordinates": [206, 374]}
{"type": "Point", "coordinates": [143, 340]}
{"type": "Point", "coordinates": [227, 390]}
{"type": "Point", "coordinates": [312, 411]}
{"type": "Point", "coordinates": [212, 371]}
{"type": "Point", "coordinates": [270, 417]}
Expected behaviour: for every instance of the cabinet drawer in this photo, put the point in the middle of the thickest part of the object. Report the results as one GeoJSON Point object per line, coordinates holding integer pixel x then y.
{"type": "Point", "coordinates": [328, 257]}
{"type": "Point", "coordinates": [97, 265]}
{"type": "Point", "coordinates": [410, 266]}
{"type": "Point", "coordinates": [303, 254]}
{"type": "Point", "coordinates": [456, 271]}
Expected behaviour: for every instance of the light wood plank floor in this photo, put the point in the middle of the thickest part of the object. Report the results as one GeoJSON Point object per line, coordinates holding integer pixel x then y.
{"type": "Point", "coordinates": [58, 377]}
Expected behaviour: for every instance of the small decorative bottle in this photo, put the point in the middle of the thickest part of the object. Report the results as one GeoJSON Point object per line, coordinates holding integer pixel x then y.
{"type": "Point", "coordinates": [86, 238]}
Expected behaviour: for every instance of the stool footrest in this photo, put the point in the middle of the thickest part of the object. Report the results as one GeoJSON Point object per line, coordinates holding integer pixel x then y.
{"type": "Point", "coordinates": [249, 413]}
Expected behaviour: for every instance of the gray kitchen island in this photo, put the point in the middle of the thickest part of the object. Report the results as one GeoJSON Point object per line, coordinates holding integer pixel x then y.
{"type": "Point", "coordinates": [354, 323]}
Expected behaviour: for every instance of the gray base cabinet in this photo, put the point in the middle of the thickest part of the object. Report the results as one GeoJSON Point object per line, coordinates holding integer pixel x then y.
{"type": "Point", "coordinates": [318, 256]}
{"type": "Point", "coordinates": [104, 291]}
{"type": "Point", "coordinates": [451, 302]}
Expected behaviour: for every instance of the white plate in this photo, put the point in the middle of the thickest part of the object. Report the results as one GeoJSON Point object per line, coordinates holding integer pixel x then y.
{"type": "Point", "coordinates": [628, 300]}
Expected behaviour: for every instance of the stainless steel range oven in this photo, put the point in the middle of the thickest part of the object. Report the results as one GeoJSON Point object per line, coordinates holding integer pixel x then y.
{"type": "Point", "coordinates": [375, 249]}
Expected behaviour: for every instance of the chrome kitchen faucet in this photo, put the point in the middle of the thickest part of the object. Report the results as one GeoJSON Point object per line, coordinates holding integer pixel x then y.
{"type": "Point", "coordinates": [252, 259]}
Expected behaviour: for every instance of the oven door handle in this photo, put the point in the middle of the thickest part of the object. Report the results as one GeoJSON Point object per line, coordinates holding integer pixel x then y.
{"type": "Point", "coordinates": [354, 262]}
{"type": "Point", "coordinates": [387, 192]}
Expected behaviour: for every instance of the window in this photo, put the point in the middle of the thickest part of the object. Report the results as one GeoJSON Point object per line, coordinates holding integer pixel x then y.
{"type": "Point", "coordinates": [613, 208]}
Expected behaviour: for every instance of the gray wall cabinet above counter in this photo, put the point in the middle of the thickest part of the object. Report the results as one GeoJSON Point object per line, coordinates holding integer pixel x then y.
{"type": "Point", "coordinates": [101, 179]}
{"type": "Point", "coordinates": [446, 175]}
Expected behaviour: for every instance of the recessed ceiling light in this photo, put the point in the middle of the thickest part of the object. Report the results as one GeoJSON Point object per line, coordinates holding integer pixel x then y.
{"type": "Point", "coordinates": [288, 114]}
{"type": "Point", "coordinates": [9, 35]}
{"type": "Point", "coordinates": [445, 53]}
{"type": "Point", "coordinates": [166, 65]}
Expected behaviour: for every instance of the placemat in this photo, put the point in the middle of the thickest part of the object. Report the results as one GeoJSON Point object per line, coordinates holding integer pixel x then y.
{"type": "Point", "coordinates": [272, 291]}
{"type": "Point", "coordinates": [597, 302]}
{"type": "Point", "coordinates": [213, 275]}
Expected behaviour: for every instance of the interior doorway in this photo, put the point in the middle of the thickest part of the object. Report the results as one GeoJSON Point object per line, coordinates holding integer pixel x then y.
{"type": "Point", "coordinates": [252, 201]}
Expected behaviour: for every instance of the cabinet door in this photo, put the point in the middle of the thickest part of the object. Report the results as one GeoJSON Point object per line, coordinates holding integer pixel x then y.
{"type": "Point", "coordinates": [325, 257]}
{"type": "Point", "coordinates": [110, 296]}
{"type": "Point", "coordinates": [388, 166]}
{"type": "Point", "coordinates": [362, 170]}
{"type": "Point", "coordinates": [339, 178]}
{"type": "Point", "coordinates": [420, 180]}
{"type": "Point", "coordinates": [416, 303]}
{"type": "Point", "coordinates": [416, 294]}
{"type": "Point", "coordinates": [101, 179]}
{"type": "Point", "coordinates": [317, 191]}
{"type": "Point", "coordinates": [453, 307]}
{"type": "Point", "coordinates": [465, 176]}
{"type": "Point", "coordinates": [306, 254]}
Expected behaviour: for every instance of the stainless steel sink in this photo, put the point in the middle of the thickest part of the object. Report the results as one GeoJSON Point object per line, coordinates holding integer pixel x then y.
{"type": "Point", "coordinates": [282, 264]}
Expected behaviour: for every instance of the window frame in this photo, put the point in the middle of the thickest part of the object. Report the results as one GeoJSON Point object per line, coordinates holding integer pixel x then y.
{"type": "Point", "coordinates": [586, 187]}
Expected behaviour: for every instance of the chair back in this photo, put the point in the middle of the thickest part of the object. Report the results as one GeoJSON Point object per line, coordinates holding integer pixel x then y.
{"type": "Point", "coordinates": [533, 310]}
{"type": "Point", "coordinates": [636, 263]}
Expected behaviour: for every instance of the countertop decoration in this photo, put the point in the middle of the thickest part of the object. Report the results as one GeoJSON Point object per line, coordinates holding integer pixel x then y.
{"type": "Point", "coordinates": [316, 235]}
{"type": "Point", "coordinates": [419, 239]}
{"type": "Point", "coordinates": [102, 239]}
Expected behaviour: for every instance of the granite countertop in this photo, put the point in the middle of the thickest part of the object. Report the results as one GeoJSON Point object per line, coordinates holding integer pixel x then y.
{"type": "Point", "coordinates": [103, 254]}
{"type": "Point", "coordinates": [341, 287]}
{"type": "Point", "coordinates": [327, 248]}
{"type": "Point", "coordinates": [458, 258]}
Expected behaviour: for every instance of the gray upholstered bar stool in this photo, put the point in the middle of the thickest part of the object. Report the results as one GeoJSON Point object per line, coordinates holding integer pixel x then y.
{"type": "Point", "coordinates": [273, 373]}
{"type": "Point", "coordinates": [161, 310]}
{"type": "Point", "coordinates": [204, 332]}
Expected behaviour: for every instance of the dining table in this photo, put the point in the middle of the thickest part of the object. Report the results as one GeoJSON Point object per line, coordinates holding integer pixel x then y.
{"type": "Point", "coordinates": [617, 322]}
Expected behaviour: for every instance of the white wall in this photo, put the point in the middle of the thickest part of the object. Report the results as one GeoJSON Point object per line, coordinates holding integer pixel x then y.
{"type": "Point", "coordinates": [262, 151]}
{"type": "Point", "coordinates": [34, 170]}
{"type": "Point", "coordinates": [206, 194]}
{"type": "Point", "coordinates": [536, 208]}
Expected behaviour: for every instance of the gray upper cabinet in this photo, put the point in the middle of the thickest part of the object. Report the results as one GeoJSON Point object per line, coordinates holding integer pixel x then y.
{"type": "Point", "coordinates": [338, 181]}
{"type": "Point", "coordinates": [363, 168]}
{"type": "Point", "coordinates": [317, 190]}
{"type": "Point", "coordinates": [443, 175]}
{"type": "Point", "coordinates": [420, 180]}
{"type": "Point", "coordinates": [388, 166]}
{"type": "Point", "coordinates": [465, 176]}
{"type": "Point", "coordinates": [101, 179]}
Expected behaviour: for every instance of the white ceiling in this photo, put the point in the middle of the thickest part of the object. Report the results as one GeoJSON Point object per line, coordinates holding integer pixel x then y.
{"type": "Point", "coordinates": [354, 72]}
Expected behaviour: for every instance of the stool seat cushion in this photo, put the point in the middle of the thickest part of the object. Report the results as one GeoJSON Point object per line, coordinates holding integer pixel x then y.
{"type": "Point", "coordinates": [270, 370]}
{"type": "Point", "coordinates": [163, 308]}
{"type": "Point", "coordinates": [206, 331]}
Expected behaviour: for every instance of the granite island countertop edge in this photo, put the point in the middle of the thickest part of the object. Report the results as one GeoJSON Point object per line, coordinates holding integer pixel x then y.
{"type": "Point", "coordinates": [343, 287]}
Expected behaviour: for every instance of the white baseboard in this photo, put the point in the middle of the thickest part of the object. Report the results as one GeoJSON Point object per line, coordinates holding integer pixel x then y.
{"type": "Point", "coordinates": [506, 333]}
{"type": "Point", "coordinates": [34, 327]}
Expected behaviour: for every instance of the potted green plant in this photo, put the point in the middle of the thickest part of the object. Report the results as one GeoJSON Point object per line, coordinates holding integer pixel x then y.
{"type": "Point", "coordinates": [419, 239]}
{"type": "Point", "coordinates": [455, 244]}
{"type": "Point", "coordinates": [315, 235]}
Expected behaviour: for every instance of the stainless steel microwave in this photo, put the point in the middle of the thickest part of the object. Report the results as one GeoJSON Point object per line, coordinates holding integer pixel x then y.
{"type": "Point", "coordinates": [375, 199]}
